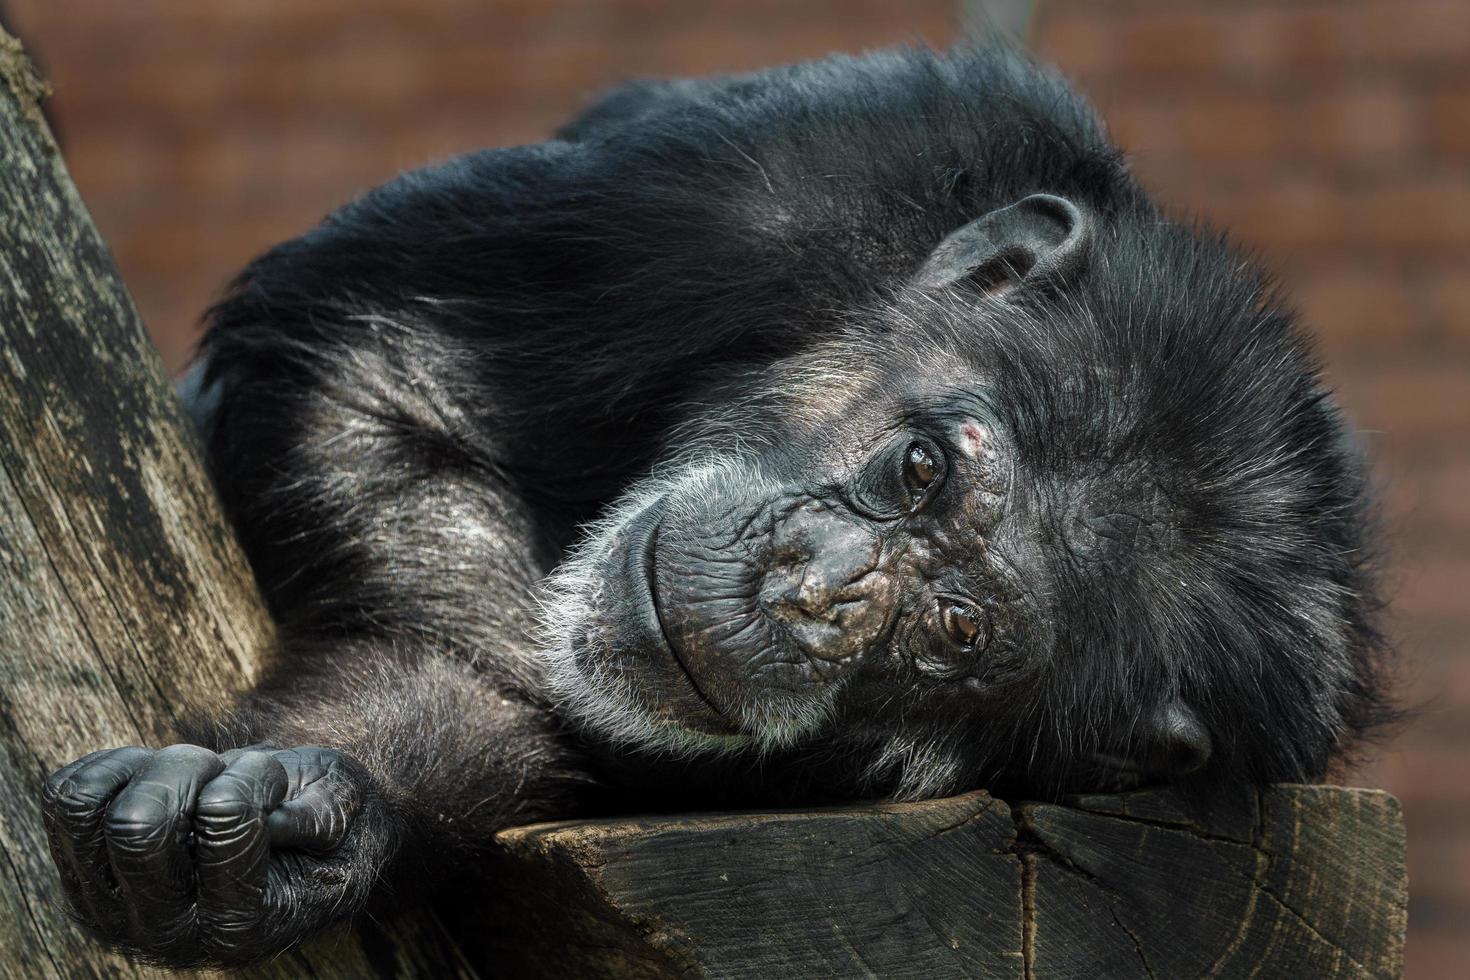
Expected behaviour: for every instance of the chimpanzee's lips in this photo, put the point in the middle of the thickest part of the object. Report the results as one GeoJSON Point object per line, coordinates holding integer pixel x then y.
{"type": "Point", "coordinates": [643, 569]}
{"type": "Point", "coordinates": [1117, 772]}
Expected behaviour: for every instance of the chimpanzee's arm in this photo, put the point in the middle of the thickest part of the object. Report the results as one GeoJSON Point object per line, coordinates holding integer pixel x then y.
{"type": "Point", "coordinates": [367, 776]}
{"type": "Point", "coordinates": [400, 571]}
{"type": "Point", "coordinates": [397, 731]}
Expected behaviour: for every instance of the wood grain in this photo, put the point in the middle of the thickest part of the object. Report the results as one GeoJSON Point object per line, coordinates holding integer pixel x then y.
{"type": "Point", "coordinates": [1291, 881]}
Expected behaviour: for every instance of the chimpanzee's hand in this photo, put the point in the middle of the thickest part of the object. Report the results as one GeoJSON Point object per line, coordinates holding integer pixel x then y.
{"type": "Point", "coordinates": [187, 856]}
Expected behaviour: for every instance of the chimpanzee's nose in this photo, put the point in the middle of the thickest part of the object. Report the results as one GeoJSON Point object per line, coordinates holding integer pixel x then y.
{"type": "Point", "coordinates": [822, 586]}
{"type": "Point", "coordinates": [825, 584]}
{"type": "Point", "coordinates": [1174, 743]}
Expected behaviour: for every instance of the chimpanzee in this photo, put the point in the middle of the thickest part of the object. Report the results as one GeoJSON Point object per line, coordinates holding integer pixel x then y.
{"type": "Point", "coordinates": [852, 429]}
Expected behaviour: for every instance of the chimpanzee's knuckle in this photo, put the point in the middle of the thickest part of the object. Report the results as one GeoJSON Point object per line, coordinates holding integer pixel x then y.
{"type": "Point", "coordinates": [52, 788]}
{"type": "Point", "coordinates": [57, 805]}
{"type": "Point", "coordinates": [189, 752]}
{"type": "Point", "coordinates": [222, 815]}
{"type": "Point", "coordinates": [252, 759]}
{"type": "Point", "coordinates": [341, 771]}
{"type": "Point", "coordinates": [141, 818]}
{"type": "Point", "coordinates": [317, 755]}
{"type": "Point", "coordinates": [224, 803]}
{"type": "Point", "coordinates": [231, 933]}
{"type": "Point", "coordinates": [84, 792]}
{"type": "Point", "coordinates": [317, 763]}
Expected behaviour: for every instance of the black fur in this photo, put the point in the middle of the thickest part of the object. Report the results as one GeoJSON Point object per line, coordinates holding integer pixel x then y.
{"type": "Point", "coordinates": [703, 294]}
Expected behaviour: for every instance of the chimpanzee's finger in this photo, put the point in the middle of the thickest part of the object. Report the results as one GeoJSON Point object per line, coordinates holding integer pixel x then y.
{"type": "Point", "coordinates": [325, 796]}
{"type": "Point", "coordinates": [148, 826]}
{"type": "Point", "coordinates": [74, 804]}
{"type": "Point", "coordinates": [53, 800]}
{"type": "Point", "coordinates": [232, 848]}
{"type": "Point", "coordinates": [232, 754]}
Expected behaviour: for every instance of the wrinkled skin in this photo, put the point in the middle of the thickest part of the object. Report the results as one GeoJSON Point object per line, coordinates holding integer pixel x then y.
{"type": "Point", "coordinates": [202, 855]}
{"type": "Point", "coordinates": [772, 601]}
{"type": "Point", "coordinates": [810, 592]}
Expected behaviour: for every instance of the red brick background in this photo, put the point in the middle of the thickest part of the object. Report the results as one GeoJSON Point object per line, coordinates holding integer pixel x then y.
{"type": "Point", "coordinates": [1333, 136]}
{"type": "Point", "coordinates": [202, 131]}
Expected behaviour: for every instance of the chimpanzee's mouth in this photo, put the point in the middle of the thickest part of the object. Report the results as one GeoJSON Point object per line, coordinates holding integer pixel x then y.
{"type": "Point", "coordinates": [644, 545]}
{"type": "Point", "coordinates": [1112, 772]}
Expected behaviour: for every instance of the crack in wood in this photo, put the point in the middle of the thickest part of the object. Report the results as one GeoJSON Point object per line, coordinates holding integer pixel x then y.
{"type": "Point", "coordinates": [1028, 915]}
{"type": "Point", "coordinates": [1190, 828]}
{"type": "Point", "coordinates": [1136, 944]}
{"type": "Point", "coordinates": [1258, 881]}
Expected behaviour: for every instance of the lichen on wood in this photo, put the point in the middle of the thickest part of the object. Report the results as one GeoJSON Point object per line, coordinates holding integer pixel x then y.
{"type": "Point", "coordinates": [21, 77]}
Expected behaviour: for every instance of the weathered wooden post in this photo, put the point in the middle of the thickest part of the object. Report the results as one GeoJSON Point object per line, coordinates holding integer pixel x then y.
{"type": "Point", "coordinates": [123, 597]}
{"type": "Point", "coordinates": [1290, 881]}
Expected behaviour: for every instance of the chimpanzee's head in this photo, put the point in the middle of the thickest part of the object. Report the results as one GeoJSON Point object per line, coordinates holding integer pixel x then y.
{"type": "Point", "coordinates": [1068, 509]}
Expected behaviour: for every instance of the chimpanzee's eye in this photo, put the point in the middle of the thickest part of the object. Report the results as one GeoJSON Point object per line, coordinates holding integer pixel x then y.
{"type": "Point", "coordinates": [899, 480]}
{"type": "Point", "coordinates": [920, 470]}
{"type": "Point", "coordinates": [965, 623]}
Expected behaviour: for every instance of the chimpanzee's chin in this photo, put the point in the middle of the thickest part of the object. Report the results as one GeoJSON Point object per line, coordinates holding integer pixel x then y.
{"type": "Point", "coordinates": [659, 674]}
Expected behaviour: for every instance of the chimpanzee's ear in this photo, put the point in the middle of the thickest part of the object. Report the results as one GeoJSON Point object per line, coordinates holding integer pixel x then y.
{"type": "Point", "coordinates": [1041, 236]}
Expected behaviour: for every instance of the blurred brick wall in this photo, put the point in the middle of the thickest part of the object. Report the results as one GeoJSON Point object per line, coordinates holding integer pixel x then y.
{"type": "Point", "coordinates": [1334, 136]}
{"type": "Point", "coordinates": [202, 131]}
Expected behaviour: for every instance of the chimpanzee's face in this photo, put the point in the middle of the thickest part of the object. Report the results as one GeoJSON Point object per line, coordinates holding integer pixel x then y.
{"type": "Point", "coordinates": [983, 534]}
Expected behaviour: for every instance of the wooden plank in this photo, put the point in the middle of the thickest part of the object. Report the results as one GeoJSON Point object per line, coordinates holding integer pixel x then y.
{"type": "Point", "coordinates": [895, 890]}
{"type": "Point", "coordinates": [123, 597]}
{"type": "Point", "coordinates": [1290, 881]}
{"type": "Point", "coordinates": [1295, 881]}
